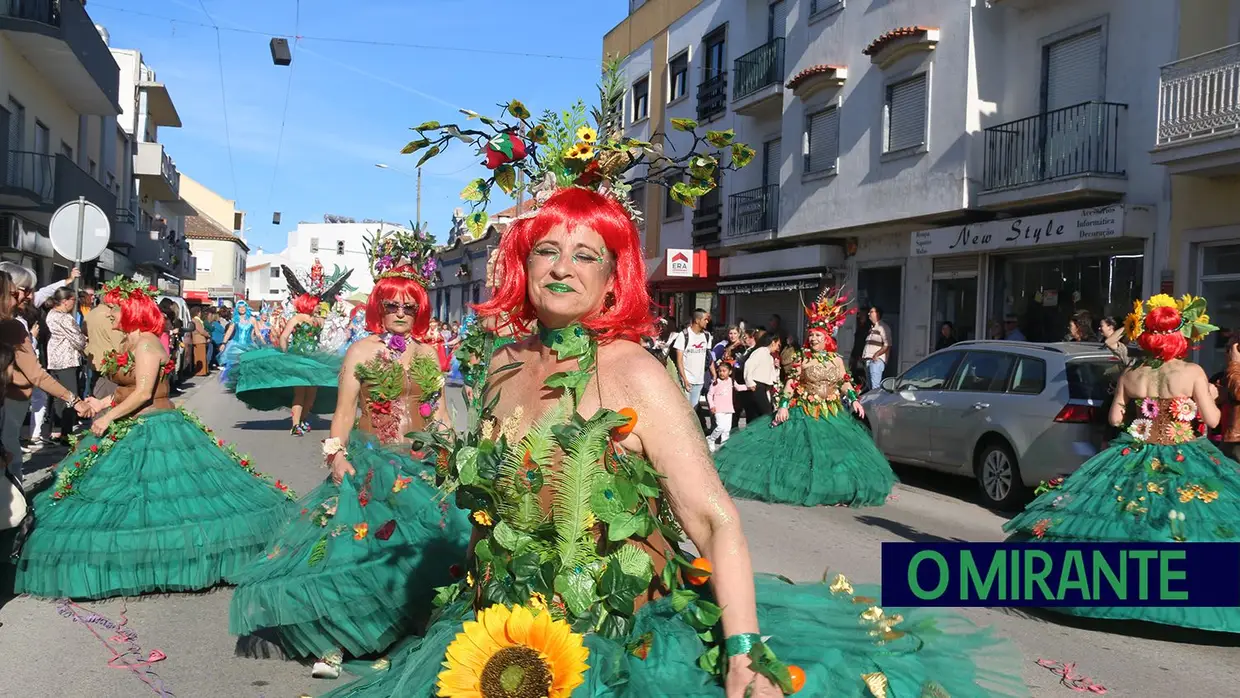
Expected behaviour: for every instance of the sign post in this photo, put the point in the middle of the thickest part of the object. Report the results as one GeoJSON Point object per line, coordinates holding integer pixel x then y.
{"type": "Point", "coordinates": [80, 232]}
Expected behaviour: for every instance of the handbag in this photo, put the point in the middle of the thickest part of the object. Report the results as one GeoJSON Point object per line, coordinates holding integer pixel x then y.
{"type": "Point", "coordinates": [13, 502]}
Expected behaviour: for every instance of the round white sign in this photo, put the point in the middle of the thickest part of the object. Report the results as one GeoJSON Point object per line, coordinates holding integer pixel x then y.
{"type": "Point", "coordinates": [84, 218]}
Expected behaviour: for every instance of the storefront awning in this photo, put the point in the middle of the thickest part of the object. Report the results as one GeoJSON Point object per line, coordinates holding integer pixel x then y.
{"type": "Point", "coordinates": [196, 296]}
{"type": "Point", "coordinates": [771, 284]}
{"type": "Point", "coordinates": [1102, 224]}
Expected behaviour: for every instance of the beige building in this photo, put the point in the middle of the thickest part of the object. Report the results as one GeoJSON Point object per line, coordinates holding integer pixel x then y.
{"type": "Point", "coordinates": [58, 119]}
{"type": "Point", "coordinates": [219, 252]}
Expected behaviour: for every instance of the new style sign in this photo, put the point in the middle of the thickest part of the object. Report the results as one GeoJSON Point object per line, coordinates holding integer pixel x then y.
{"type": "Point", "coordinates": [680, 263]}
{"type": "Point", "coordinates": [1065, 227]}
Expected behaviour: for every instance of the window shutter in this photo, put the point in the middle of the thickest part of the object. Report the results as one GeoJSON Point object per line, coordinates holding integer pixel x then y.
{"type": "Point", "coordinates": [824, 140]}
{"type": "Point", "coordinates": [773, 157]}
{"type": "Point", "coordinates": [778, 26]}
{"type": "Point", "coordinates": [1074, 70]}
{"type": "Point", "coordinates": [906, 114]}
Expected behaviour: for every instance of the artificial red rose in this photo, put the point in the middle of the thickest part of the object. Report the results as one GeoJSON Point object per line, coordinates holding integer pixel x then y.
{"type": "Point", "coordinates": [94, 448]}
{"type": "Point", "coordinates": [281, 486]}
{"type": "Point", "coordinates": [219, 442]}
{"type": "Point", "coordinates": [385, 531]}
{"type": "Point", "coordinates": [590, 176]}
{"type": "Point", "coordinates": [245, 462]}
{"type": "Point", "coordinates": [381, 407]}
{"type": "Point", "coordinates": [455, 571]}
{"type": "Point", "coordinates": [122, 359]}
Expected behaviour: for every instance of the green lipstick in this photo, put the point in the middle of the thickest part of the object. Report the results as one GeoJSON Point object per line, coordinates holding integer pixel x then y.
{"type": "Point", "coordinates": [557, 287]}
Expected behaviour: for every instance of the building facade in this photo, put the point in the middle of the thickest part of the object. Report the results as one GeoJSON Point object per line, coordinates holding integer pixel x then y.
{"type": "Point", "coordinates": [263, 279]}
{"type": "Point", "coordinates": [339, 247]}
{"type": "Point", "coordinates": [948, 161]}
{"type": "Point", "coordinates": [218, 248]}
{"type": "Point", "coordinates": [460, 281]}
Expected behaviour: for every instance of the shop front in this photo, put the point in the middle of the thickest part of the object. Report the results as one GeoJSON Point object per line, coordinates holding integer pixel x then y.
{"type": "Point", "coordinates": [682, 281]}
{"type": "Point", "coordinates": [762, 287]}
{"type": "Point", "coordinates": [1039, 270]}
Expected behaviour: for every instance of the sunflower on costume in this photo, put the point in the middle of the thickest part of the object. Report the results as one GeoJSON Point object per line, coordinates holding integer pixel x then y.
{"type": "Point", "coordinates": [513, 653]}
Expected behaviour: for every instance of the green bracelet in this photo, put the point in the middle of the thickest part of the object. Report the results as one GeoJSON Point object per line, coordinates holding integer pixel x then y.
{"type": "Point", "coordinates": [737, 645]}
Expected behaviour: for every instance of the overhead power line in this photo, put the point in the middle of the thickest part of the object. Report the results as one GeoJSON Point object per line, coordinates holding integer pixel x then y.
{"type": "Point", "coordinates": [219, 58]}
{"type": "Point", "coordinates": [288, 91]}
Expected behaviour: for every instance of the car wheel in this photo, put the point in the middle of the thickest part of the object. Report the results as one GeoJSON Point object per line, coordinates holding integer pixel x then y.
{"type": "Point", "coordinates": [998, 476]}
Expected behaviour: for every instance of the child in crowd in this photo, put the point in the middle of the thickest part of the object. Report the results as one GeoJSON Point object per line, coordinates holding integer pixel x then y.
{"type": "Point", "coordinates": [719, 399]}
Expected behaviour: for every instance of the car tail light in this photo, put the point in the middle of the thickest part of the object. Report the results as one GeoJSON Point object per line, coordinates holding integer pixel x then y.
{"type": "Point", "coordinates": [1075, 414]}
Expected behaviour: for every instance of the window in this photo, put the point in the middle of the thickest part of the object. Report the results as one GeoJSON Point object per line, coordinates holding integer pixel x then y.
{"type": "Point", "coordinates": [817, 6]}
{"type": "Point", "coordinates": [340, 247]}
{"type": "Point", "coordinates": [930, 374]}
{"type": "Point", "coordinates": [204, 259]}
{"type": "Point", "coordinates": [1093, 379]}
{"type": "Point", "coordinates": [238, 220]}
{"type": "Point", "coordinates": [1029, 377]}
{"type": "Point", "coordinates": [1072, 70]}
{"type": "Point", "coordinates": [822, 140]}
{"type": "Point", "coordinates": [906, 114]}
{"type": "Point", "coordinates": [275, 272]}
{"type": "Point", "coordinates": [984, 372]}
{"type": "Point", "coordinates": [716, 52]}
{"type": "Point", "coordinates": [638, 196]}
{"type": "Point", "coordinates": [641, 99]}
{"type": "Point", "coordinates": [66, 150]}
{"type": "Point", "coordinates": [678, 76]}
{"type": "Point", "coordinates": [90, 167]}
{"type": "Point", "coordinates": [672, 209]}
{"type": "Point", "coordinates": [314, 244]}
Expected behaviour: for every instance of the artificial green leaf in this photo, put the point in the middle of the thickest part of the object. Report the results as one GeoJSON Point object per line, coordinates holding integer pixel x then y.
{"type": "Point", "coordinates": [720, 139]}
{"type": "Point", "coordinates": [712, 662]}
{"type": "Point", "coordinates": [526, 567]}
{"type": "Point", "coordinates": [427, 126]}
{"type": "Point", "coordinates": [476, 223]}
{"type": "Point", "coordinates": [763, 661]}
{"type": "Point", "coordinates": [446, 595]}
{"type": "Point", "coordinates": [503, 143]}
{"type": "Point", "coordinates": [455, 132]}
{"type": "Point", "coordinates": [620, 590]}
{"type": "Point", "coordinates": [482, 551]}
{"type": "Point", "coordinates": [684, 124]}
{"type": "Point", "coordinates": [414, 146]}
{"type": "Point", "coordinates": [615, 627]}
{"type": "Point", "coordinates": [506, 178]}
{"type": "Point", "coordinates": [572, 381]}
{"type": "Point", "coordinates": [742, 154]}
{"type": "Point", "coordinates": [474, 190]}
{"type": "Point", "coordinates": [428, 155]}
{"type": "Point", "coordinates": [627, 525]}
{"type": "Point", "coordinates": [467, 465]}
{"type": "Point", "coordinates": [680, 194]}
{"type": "Point", "coordinates": [513, 540]}
{"type": "Point", "coordinates": [634, 563]}
{"type": "Point", "coordinates": [318, 552]}
{"type": "Point", "coordinates": [681, 598]}
{"type": "Point", "coordinates": [577, 590]}
{"type": "Point", "coordinates": [707, 613]}
{"type": "Point", "coordinates": [469, 113]}
{"type": "Point", "coordinates": [611, 497]}
{"type": "Point", "coordinates": [518, 110]}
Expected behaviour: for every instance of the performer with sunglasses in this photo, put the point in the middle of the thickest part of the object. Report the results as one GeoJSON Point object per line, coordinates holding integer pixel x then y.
{"type": "Point", "coordinates": [296, 373]}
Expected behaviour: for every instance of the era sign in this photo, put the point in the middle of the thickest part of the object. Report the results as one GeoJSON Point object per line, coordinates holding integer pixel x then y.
{"type": "Point", "coordinates": [680, 263]}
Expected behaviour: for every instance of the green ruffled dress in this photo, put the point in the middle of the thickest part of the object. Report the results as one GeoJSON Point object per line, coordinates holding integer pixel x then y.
{"type": "Point", "coordinates": [358, 566]}
{"type": "Point", "coordinates": [609, 517]}
{"type": "Point", "coordinates": [1158, 482]}
{"type": "Point", "coordinates": [264, 377]}
{"type": "Point", "coordinates": [821, 455]}
{"type": "Point", "coordinates": [158, 504]}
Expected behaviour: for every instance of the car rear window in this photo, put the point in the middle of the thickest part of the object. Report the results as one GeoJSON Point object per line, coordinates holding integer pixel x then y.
{"type": "Point", "coordinates": [1093, 379]}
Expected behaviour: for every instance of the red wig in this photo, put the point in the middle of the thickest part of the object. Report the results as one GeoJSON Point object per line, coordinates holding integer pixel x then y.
{"type": "Point", "coordinates": [305, 304]}
{"type": "Point", "coordinates": [398, 288]}
{"type": "Point", "coordinates": [1162, 337]}
{"type": "Point", "coordinates": [112, 297]}
{"type": "Point", "coordinates": [140, 314]}
{"type": "Point", "coordinates": [629, 317]}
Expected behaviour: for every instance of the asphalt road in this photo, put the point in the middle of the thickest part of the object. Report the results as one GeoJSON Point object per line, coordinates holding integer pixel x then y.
{"type": "Point", "coordinates": [43, 653]}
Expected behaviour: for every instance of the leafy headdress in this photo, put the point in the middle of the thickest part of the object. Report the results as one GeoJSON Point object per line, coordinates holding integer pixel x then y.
{"type": "Point", "coordinates": [558, 150]}
{"type": "Point", "coordinates": [402, 254]}
{"type": "Point", "coordinates": [1194, 322]}
{"type": "Point", "coordinates": [124, 287]}
{"type": "Point", "coordinates": [314, 283]}
{"type": "Point", "coordinates": [829, 311]}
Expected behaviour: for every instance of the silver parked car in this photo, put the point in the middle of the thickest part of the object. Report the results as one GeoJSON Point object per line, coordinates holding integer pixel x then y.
{"type": "Point", "coordinates": [1010, 414]}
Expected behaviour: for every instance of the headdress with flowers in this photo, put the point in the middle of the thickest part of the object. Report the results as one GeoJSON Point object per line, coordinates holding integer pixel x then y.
{"type": "Point", "coordinates": [829, 311]}
{"type": "Point", "coordinates": [1190, 310]}
{"type": "Point", "coordinates": [314, 284]}
{"type": "Point", "coordinates": [405, 254]}
{"type": "Point", "coordinates": [561, 149]}
{"type": "Point", "coordinates": [126, 287]}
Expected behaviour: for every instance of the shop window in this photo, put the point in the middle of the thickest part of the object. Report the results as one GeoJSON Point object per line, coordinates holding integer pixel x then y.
{"type": "Point", "coordinates": [641, 99]}
{"type": "Point", "coordinates": [1029, 377]}
{"type": "Point", "coordinates": [984, 372]}
{"type": "Point", "coordinates": [906, 114]}
{"type": "Point", "coordinates": [822, 140]}
{"type": "Point", "coordinates": [678, 76]}
{"type": "Point", "coordinates": [931, 374]}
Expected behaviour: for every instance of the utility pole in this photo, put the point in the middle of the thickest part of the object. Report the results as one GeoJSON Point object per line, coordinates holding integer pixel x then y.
{"type": "Point", "coordinates": [419, 198]}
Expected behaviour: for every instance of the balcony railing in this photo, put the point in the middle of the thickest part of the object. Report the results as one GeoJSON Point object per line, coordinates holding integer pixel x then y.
{"type": "Point", "coordinates": [28, 174]}
{"type": "Point", "coordinates": [759, 68]}
{"type": "Point", "coordinates": [712, 96]}
{"type": "Point", "coordinates": [76, 29]}
{"type": "Point", "coordinates": [1079, 140]}
{"type": "Point", "coordinates": [753, 211]}
{"type": "Point", "coordinates": [72, 182]}
{"type": "Point", "coordinates": [1199, 97]}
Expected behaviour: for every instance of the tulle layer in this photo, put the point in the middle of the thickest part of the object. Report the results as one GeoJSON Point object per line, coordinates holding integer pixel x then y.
{"type": "Point", "coordinates": [808, 461]}
{"type": "Point", "coordinates": [164, 509]}
{"type": "Point", "coordinates": [354, 579]}
{"type": "Point", "coordinates": [810, 626]}
{"type": "Point", "coordinates": [1134, 492]}
{"type": "Point", "coordinates": [264, 378]}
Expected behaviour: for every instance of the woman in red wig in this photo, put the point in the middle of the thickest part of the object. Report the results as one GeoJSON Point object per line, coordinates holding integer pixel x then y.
{"type": "Point", "coordinates": [298, 373]}
{"type": "Point", "coordinates": [150, 501]}
{"type": "Point", "coordinates": [1162, 480]}
{"type": "Point", "coordinates": [325, 595]}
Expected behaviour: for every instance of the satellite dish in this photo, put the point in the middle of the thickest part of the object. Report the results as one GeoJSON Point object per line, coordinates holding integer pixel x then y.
{"type": "Point", "coordinates": [79, 231]}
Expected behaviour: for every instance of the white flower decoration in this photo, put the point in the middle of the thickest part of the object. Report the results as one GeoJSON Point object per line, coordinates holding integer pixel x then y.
{"type": "Point", "coordinates": [1140, 429]}
{"type": "Point", "coordinates": [1185, 409]}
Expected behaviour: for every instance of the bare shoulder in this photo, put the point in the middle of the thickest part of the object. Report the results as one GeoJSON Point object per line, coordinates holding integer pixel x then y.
{"type": "Point", "coordinates": [510, 353]}
{"type": "Point", "coordinates": [630, 368]}
{"type": "Point", "coordinates": [363, 349]}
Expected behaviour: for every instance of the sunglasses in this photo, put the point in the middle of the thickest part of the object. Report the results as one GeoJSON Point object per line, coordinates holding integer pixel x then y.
{"type": "Point", "coordinates": [408, 308]}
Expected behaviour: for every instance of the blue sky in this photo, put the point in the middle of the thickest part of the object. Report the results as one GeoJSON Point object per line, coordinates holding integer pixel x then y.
{"type": "Point", "coordinates": [350, 105]}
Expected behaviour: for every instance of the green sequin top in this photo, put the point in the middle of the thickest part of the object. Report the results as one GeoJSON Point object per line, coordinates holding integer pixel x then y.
{"type": "Point", "coordinates": [305, 338]}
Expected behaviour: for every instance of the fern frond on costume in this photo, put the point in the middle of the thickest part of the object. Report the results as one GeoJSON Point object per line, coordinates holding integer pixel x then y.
{"type": "Point", "coordinates": [318, 552]}
{"type": "Point", "coordinates": [425, 373]}
{"type": "Point", "coordinates": [633, 562]}
{"type": "Point", "coordinates": [517, 504]}
{"type": "Point", "coordinates": [572, 485]}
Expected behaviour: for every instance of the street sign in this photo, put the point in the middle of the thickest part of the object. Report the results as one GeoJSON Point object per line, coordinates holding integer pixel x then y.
{"type": "Point", "coordinates": [79, 231]}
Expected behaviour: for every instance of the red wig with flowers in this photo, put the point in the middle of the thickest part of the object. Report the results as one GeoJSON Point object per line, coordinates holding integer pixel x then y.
{"type": "Point", "coordinates": [400, 290]}
{"type": "Point", "coordinates": [306, 304]}
{"type": "Point", "coordinates": [629, 317]}
{"type": "Point", "coordinates": [1162, 338]}
{"type": "Point", "coordinates": [139, 313]}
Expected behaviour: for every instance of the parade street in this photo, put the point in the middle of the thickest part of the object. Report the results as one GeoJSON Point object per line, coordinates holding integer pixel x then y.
{"type": "Point", "coordinates": [47, 653]}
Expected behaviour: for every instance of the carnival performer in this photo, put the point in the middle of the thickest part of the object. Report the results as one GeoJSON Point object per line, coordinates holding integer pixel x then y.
{"type": "Point", "coordinates": [812, 451]}
{"type": "Point", "coordinates": [335, 336]}
{"type": "Point", "coordinates": [298, 374]}
{"type": "Point", "coordinates": [152, 500]}
{"type": "Point", "coordinates": [581, 479]}
{"type": "Point", "coordinates": [350, 575]}
{"type": "Point", "coordinates": [242, 335]}
{"type": "Point", "coordinates": [357, 327]}
{"type": "Point", "coordinates": [1160, 480]}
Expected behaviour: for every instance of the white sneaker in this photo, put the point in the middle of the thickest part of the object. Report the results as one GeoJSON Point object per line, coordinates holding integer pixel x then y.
{"type": "Point", "coordinates": [323, 670]}
{"type": "Point", "coordinates": [711, 445]}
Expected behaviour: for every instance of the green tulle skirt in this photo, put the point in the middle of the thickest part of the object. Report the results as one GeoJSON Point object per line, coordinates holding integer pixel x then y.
{"type": "Point", "coordinates": [808, 461]}
{"type": "Point", "coordinates": [162, 508]}
{"type": "Point", "coordinates": [1128, 493]}
{"type": "Point", "coordinates": [360, 562]}
{"type": "Point", "coordinates": [263, 378]}
{"type": "Point", "coordinates": [810, 626]}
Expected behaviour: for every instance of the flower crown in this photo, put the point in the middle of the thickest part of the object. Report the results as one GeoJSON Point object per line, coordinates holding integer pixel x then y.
{"type": "Point", "coordinates": [405, 255]}
{"type": "Point", "coordinates": [829, 312]}
{"type": "Point", "coordinates": [561, 150]}
{"type": "Point", "coordinates": [1194, 322]}
{"type": "Point", "coordinates": [126, 287]}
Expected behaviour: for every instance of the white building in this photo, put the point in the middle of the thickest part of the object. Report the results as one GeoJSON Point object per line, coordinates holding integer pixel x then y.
{"type": "Point", "coordinates": [263, 280]}
{"type": "Point", "coordinates": [883, 130]}
{"type": "Point", "coordinates": [337, 246]}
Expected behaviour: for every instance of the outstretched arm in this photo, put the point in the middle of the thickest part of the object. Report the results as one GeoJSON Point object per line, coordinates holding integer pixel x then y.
{"type": "Point", "coordinates": [350, 389]}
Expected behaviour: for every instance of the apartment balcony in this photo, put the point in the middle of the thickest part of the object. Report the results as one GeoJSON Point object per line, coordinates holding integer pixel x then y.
{"type": "Point", "coordinates": [707, 221]}
{"type": "Point", "coordinates": [26, 179]}
{"type": "Point", "coordinates": [1199, 114]}
{"type": "Point", "coordinates": [157, 173]}
{"type": "Point", "coordinates": [1074, 154]}
{"type": "Point", "coordinates": [753, 215]}
{"type": "Point", "coordinates": [758, 89]}
{"type": "Point", "coordinates": [73, 182]}
{"type": "Point", "coordinates": [61, 42]}
{"type": "Point", "coordinates": [712, 98]}
{"type": "Point", "coordinates": [124, 229]}
{"type": "Point", "coordinates": [186, 268]}
{"type": "Point", "coordinates": [153, 249]}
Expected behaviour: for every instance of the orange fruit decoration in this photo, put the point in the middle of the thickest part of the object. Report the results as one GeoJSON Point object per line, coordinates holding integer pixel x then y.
{"type": "Point", "coordinates": [627, 428]}
{"type": "Point", "coordinates": [699, 577]}
{"type": "Point", "coordinates": [797, 675]}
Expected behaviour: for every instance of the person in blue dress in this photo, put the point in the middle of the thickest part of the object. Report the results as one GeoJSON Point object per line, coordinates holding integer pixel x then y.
{"type": "Point", "coordinates": [240, 336]}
